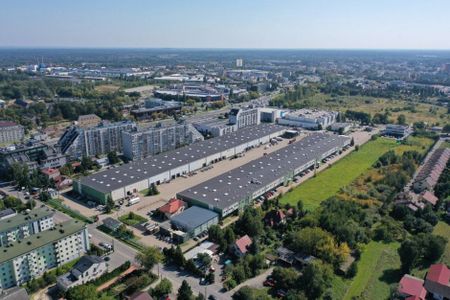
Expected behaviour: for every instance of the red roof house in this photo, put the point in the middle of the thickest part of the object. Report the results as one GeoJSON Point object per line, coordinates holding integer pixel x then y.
{"type": "Point", "coordinates": [437, 281]}
{"type": "Point", "coordinates": [275, 217]}
{"type": "Point", "coordinates": [51, 173]}
{"type": "Point", "coordinates": [412, 286]}
{"type": "Point", "coordinates": [241, 245]}
{"type": "Point", "coordinates": [429, 197]}
{"type": "Point", "coordinates": [174, 206]}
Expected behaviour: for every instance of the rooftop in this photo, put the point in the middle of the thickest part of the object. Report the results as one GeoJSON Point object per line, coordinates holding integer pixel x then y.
{"type": "Point", "coordinates": [193, 217]}
{"type": "Point", "coordinates": [439, 273]}
{"type": "Point", "coordinates": [23, 218]}
{"type": "Point", "coordinates": [229, 188]}
{"type": "Point", "coordinates": [115, 178]}
{"type": "Point", "coordinates": [38, 240]}
{"type": "Point", "coordinates": [412, 286]}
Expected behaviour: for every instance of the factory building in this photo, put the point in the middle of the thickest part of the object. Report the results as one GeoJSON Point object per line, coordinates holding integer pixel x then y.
{"type": "Point", "coordinates": [136, 176]}
{"type": "Point", "coordinates": [309, 119]}
{"type": "Point", "coordinates": [238, 188]}
{"type": "Point", "coordinates": [155, 140]}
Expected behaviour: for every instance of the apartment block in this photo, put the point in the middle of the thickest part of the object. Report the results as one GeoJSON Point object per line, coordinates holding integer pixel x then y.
{"type": "Point", "coordinates": [10, 132]}
{"type": "Point", "coordinates": [29, 258]}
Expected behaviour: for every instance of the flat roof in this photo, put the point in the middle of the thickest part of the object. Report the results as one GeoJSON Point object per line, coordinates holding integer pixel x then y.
{"type": "Point", "coordinates": [43, 238]}
{"type": "Point", "coordinates": [133, 172]}
{"type": "Point", "coordinates": [23, 218]}
{"type": "Point", "coordinates": [193, 217]}
{"type": "Point", "coordinates": [229, 188]}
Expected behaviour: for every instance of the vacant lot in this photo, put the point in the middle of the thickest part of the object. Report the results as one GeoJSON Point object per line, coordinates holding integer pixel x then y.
{"type": "Point", "coordinates": [107, 88]}
{"type": "Point", "coordinates": [132, 219]}
{"type": "Point", "coordinates": [378, 268]}
{"type": "Point", "coordinates": [328, 182]}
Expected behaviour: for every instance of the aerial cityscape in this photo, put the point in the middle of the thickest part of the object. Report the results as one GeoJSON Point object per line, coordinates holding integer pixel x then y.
{"type": "Point", "coordinates": [260, 150]}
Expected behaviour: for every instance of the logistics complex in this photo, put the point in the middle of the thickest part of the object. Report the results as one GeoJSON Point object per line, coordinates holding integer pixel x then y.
{"type": "Point", "coordinates": [117, 183]}
{"type": "Point", "coordinates": [238, 188]}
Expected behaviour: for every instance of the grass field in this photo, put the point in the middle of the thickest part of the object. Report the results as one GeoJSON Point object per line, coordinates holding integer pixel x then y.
{"type": "Point", "coordinates": [132, 219]}
{"type": "Point", "coordinates": [378, 268]}
{"type": "Point", "coordinates": [443, 229]}
{"type": "Point", "coordinates": [328, 182]}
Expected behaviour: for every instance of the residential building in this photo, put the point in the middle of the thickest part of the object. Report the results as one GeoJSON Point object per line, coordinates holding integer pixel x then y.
{"type": "Point", "coordinates": [50, 173]}
{"type": "Point", "coordinates": [309, 119]}
{"type": "Point", "coordinates": [140, 296]}
{"type": "Point", "coordinates": [86, 121]}
{"type": "Point", "coordinates": [173, 207]}
{"type": "Point", "coordinates": [11, 132]}
{"type": "Point", "coordinates": [111, 224]}
{"type": "Point", "coordinates": [25, 224]}
{"type": "Point", "coordinates": [437, 281]}
{"type": "Point", "coordinates": [411, 286]}
{"type": "Point", "coordinates": [431, 170]}
{"type": "Point", "coordinates": [399, 131]}
{"type": "Point", "coordinates": [30, 258]}
{"type": "Point", "coordinates": [244, 117]}
{"type": "Point", "coordinates": [78, 142]}
{"type": "Point", "coordinates": [16, 293]}
{"type": "Point", "coordinates": [87, 269]}
{"type": "Point", "coordinates": [2, 104]}
{"type": "Point", "coordinates": [275, 218]}
{"type": "Point", "coordinates": [194, 220]}
{"type": "Point", "coordinates": [241, 245]}
{"type": "Point", "coordinates": [151, 141]}
{"type": "Point", "coordinates": [239, 63]}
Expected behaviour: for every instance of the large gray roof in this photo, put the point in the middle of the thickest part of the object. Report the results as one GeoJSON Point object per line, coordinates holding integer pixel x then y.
{"type": "Point", "coordinates": [240, 183]}
{"type": "Point", "coordinates": [133, 172]}
{"type": "Point", "coordinates": [193, 217]}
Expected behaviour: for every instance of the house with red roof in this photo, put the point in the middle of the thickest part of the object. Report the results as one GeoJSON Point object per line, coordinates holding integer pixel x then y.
{"type": "Point", "coordinates": [411, 286]}
{"type": "Point", "coordinates": [437, 281]}
{"type": "Point", "coordinates": [240, 246]}
{"type": "Point", "coordinates": [173, 207]}
{"type": "Point", "coordinates": [51, 173]}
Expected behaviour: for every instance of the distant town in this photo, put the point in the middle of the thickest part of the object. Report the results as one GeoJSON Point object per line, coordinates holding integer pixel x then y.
{"type": "Point", "coordinates": [240, 174]}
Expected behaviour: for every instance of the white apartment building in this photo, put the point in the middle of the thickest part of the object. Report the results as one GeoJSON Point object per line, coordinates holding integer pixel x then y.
{"type": "Point", "coordinates": [155, 140]}
{"type": "Point", "coordinates": [29, 258]}
{"type": "Point", "coordinates": [24, 225]}
{"type": "Point", "coordinates": [10, 132]}
{"type": "Point", "coordinates": [309, 118]}
{"type": "Point", "coordinates": [244, 117]}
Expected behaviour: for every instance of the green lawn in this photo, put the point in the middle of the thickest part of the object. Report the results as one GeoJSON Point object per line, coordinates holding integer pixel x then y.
{"type": "Point", "coordinates": [328, 182]}
{"type": "Point", "coordinates": [132, 219]}
{"type": "Point", "coordinates": [378, 269]}
{"type": "Point", "coordinates": [443, 229]}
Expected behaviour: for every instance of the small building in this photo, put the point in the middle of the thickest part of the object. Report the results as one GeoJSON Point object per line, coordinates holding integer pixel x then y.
{"type": "Point", "coordinates": [437, 281]}
{"type": "Point", "coordinates": [194, 220]}
{"type": "Point", "coordinates": [411, 286]}
{"type": "Point", "coordinates": [429, 197]}
{"type": "Point", "coordinates": [275, 218]}
{"type": "Point", "coordinates": [112, 224]}
{"type": "Point", "coordinates": [88, 268]}
{"type": "Point", "coordinates": [173, 207]}
{"type": "Point", "coordinates": [86, 121]}
{"type": "Point", "coordinates": [142, 295]}
{"type": "Point", "coordinates": [341, 128]}
{"type": "Point", "coordinates": [51, 173]}
{"type": "Point", "coordinates": [7, 213]}
{"type": "Point", "coordinates": [398, 131]}
{"type": "Point", "coordinates": [241, 245]}
{"type": "Point", "coordinates": [309, 119]}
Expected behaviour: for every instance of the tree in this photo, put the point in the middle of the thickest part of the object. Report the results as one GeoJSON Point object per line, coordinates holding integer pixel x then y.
{"type": "Point", "coordinates": [316, 278]}
{"type": "Point", "coordinates": [185, 291]}
{"type": "Point", "coordinates": [251, 222]}
{"type": "Point", "coordinates": [401, 120]}
{"type": "Point", "coordinates": [67, 169]}
{"type": "Point", "coordinates": [113, 158]}
{"type": "Point", "coordinates": [109, 205]}
{"type": "Point", "coordinates": [446, 128]}
{"type": "Point", "coordinates": [82, 292]}
{"type": "Point", "coordinates": [149, 257]}
{"type": "Point", "coordinates": [163, 288]}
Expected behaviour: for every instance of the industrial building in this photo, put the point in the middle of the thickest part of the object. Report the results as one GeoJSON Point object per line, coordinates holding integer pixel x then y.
{"type": "Point", "coordinates": [399, 131]}
{"type": "Point", "coordinates": [121, 181]}
{"type": "Point", "coordinates": [309, 118]}
{"type": "Point", "coordinates": [151, 141]}
{"type": "Point", "coordinates": [155, 105]}
{"type": "Point", "coordinates": [194, 220]}
{"type": "Point", "coordinates": [29, 258]}
{"type": "Point", "coordinates": [239, 187]}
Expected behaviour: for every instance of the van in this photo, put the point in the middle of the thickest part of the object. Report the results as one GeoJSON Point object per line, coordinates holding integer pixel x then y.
{"type": "Point", "coordinates": [133, 201]}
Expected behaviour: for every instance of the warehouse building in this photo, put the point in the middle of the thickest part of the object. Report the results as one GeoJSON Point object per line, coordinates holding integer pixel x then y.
{"type": "Point", "coordinates": [238, 188]}
{"type": "Point", "coordinates": [194, 220]}
{"type": "Point", "coordinates": [309, 119]}
{"type": "Point", "coordinates": [117, 183]}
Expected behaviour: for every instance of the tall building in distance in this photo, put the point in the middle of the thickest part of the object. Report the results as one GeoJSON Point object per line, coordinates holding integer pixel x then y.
{"type": "Point", "coordinates": [37, 245]}
{"type": "Point", "coordinates": [10, 132]}
{"type": "Point", "coordinates": [239, 63]}
{"type": "Point", "coordinates": [155, 140]}
{"type": "Point", "coordinates": [78, 142]}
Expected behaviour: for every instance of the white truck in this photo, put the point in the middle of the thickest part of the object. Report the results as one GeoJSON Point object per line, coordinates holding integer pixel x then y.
{"type": "Point", "coordinates": [133, 201]}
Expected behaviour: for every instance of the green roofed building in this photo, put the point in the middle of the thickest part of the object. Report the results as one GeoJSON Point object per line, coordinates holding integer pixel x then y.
{"type": "Point", "coordinates": [28, 258]}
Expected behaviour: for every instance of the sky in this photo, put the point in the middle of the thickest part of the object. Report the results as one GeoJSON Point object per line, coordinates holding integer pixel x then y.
{"type": "Point", "coordinates": [299, 24]}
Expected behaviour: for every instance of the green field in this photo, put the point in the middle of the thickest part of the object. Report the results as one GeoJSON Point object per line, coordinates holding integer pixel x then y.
{"type": "Point", "coordinates": [327, 183]}
{"type": "Point", "coordinates": [443, 229]}
{"type": "Point", "coordinates": [378, 268]}
{"type": "Point", "coordinates": [132, 219]}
